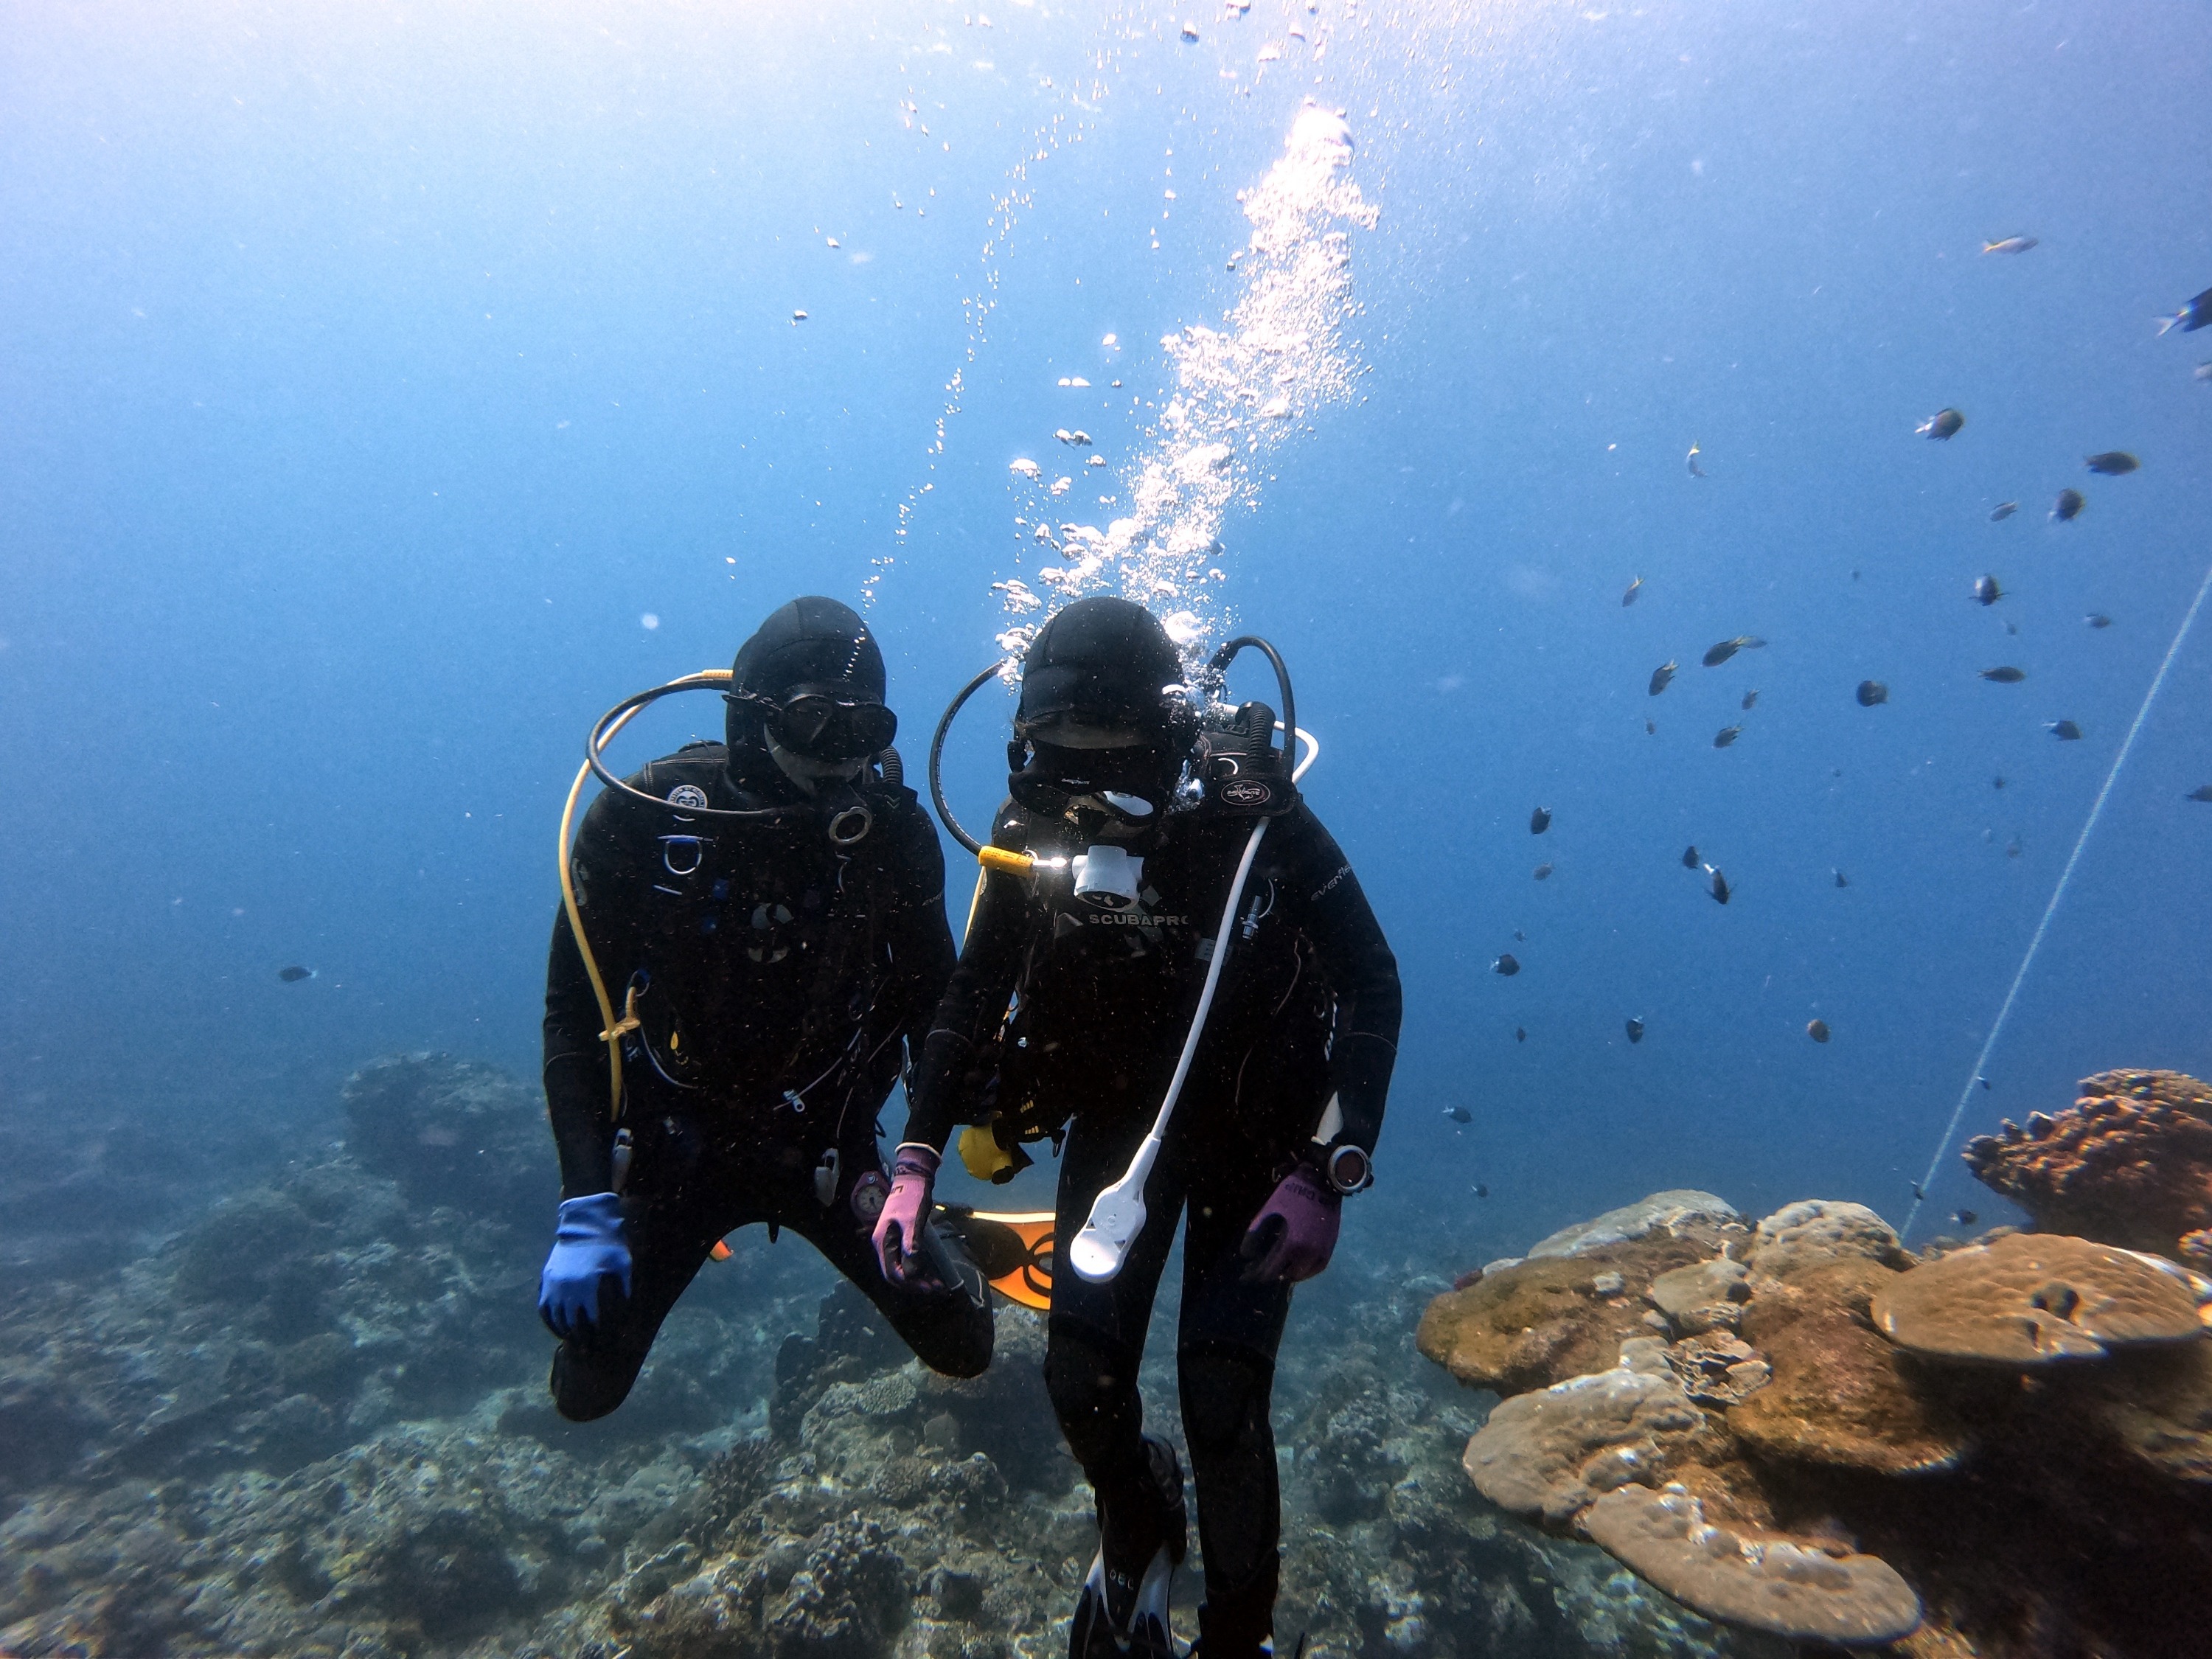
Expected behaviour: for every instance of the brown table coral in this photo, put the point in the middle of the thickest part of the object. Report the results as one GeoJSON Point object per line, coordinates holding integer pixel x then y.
{"type": "Point", "coordinates": [1549, 1454]}
{"type": "Point", "coordinates": [2032, 1299]}
{"type": "Point", "coordinates": [2130, 1162]}
{"type": "Point", "coordinates": [1539, 1321]}
{"type": "Point", "coordinates": [1809, 1475]}
{"type": "Point", "coordinates": [1773, 1584]}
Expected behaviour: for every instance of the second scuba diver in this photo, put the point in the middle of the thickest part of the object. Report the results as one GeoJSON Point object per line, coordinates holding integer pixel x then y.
{"type": "Point", "coordinates": [1103, 972]}
{"type": "Point", "coordinates": [766, 917]}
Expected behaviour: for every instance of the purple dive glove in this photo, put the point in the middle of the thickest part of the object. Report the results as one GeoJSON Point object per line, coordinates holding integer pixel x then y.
{"type": "Point", "coordinates": [1294, 1235]}
{"type": "Point", "coordinates": [898, 1229]}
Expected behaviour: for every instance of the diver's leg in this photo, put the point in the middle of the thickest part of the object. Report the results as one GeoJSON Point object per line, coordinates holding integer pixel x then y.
{"type": "Point", "coordinates": [949, 1330]}
{"type": "Point", "coordinates": [1225, 1363]}
{"type": "Point", "coordinates": [683, 1194]}
{"type": "Point", "coordinates": [1095, 1341]}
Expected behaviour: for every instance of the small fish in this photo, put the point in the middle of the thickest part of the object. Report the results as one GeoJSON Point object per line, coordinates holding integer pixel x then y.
{"type": "Point", "coordinates": [797, 318]}
{"type": "Point", "coordinates": [2064, 731]}
{"type": "Point", "coordinates": [2098, 619]}
{"type": "Point", "coordinates": [2191, 318]}
{"type": "Point", "coordinates": [1987, 591]}
{"type": "Point", "coordinates": [1720, 887]}
{"type": "Point", "coordinates": [294, 974]}
{"type": "Point", "coordinates": [2009, 245]}
{"type": "Point", "coordinates": [1459, 1114]}
{"type": "Point", "coordinates": [2012, 628]}
{"type": "Point", "coordinates": [2202, 792]}
{"type": "Point", "coordinates": [1543, 873]}
{"type": "Point", "coordinates": [1190, 31]}
{"type": "Point", "coordinates": [1505, 965]}
{"type": "Point", "coordinates": [1872, 692]}
{"type": "Point", "coordinates": [1965, 1217]}
{"type": "Point", "coordinates": [2069, 505]}
{"type": "Point", "coordinates": [1726, 735]}
{"type": "Point", "coordinates": [1943, 426]}
{"type": "Point", "coordinates": [1482, 1191]}
{"type": "Point", "coordinates": [1690, 859]}
{"type": "Point", "coordinates": [1634, 588]}
{"type": "Point", "coordinates": [2202, 372]}
{"type": "Point", "coordinates": [1751, 698]}
{"type": "Point", "coordinates": [1842, 880]}
{"type": "Point", "coordinates": [1540, 820]}
{"type": "Point", "coordinates": [1983, 1081]}
{"type": "Point", "coordinates": [1520, 1034]}
{"type": "Point", "coordinates": [1697, 471]}
{"type": "Point", "coordinates": [2005, 676]}
{"type": "Point", "coordinates": [2013, 848]}
{"type": "Point", "coordinates": [2113, 464]}
{"type": "Point", "coordinates": [1720, 653]}
{"type": "Point", "coordinates": [1635, 1030]}
{"type": "Point", "coordinates": [1651, 728]}
{"type": "Point", "coordinates": [1997, 782]}
{"type": "Point", "coordinates": [1520, 938]}
{"type": "Point", "coordinates": [1663, 676]}
{"type": "Point", "coordinates": [2003, 511]}
{"type": "Point", "coordinates": [1817, 1029]}
{"type": "Point", "coordinates": [1918, 1196]}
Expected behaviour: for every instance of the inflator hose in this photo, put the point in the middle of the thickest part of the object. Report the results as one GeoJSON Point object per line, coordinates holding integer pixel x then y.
{"type": "Point", "coordinates": [937, 758]}
{"type": "Point", "coordinates": [602, 733]}
{"type": "Point", "coordinates": [1117, 1214]}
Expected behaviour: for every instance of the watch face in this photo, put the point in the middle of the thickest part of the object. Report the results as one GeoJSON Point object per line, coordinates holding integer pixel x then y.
{"type": "Point", "coordinates": [869, 1193]}
{"type": "Point", "coordinates": [1348, 1169]}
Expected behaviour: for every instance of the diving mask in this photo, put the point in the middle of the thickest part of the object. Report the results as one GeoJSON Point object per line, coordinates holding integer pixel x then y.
{"type": "Point", "coordinates": [823, 725]}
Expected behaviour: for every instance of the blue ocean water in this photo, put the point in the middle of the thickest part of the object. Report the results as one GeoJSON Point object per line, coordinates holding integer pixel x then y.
{"type": "Point", "coordinates": [387, 391]}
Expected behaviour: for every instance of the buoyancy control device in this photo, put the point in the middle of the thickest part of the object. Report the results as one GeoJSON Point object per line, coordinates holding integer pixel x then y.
{"type": "Point", "coordinates": [1233, 769]}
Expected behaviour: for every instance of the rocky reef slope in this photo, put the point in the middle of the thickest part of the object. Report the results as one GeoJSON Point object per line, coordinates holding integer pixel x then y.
{"type": "Point", "coordinates": [312, 1423]}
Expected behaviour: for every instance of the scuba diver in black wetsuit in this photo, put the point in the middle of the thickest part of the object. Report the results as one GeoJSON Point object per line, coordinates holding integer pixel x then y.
{"type": "Point", "coordinates": [1104, 966]}
{"type": "Point", "coordinates": [767, 915]}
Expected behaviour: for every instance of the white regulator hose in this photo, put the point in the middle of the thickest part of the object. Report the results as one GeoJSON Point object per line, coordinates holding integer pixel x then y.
{"type": "Point", "coordinates": [1117, 1214]}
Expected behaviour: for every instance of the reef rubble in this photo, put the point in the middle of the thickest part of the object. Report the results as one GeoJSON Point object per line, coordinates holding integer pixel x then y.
{"type": "Point", "coordinates": [2000, 1450]}
{"type": "Point", "coordinates": [311, 1422]}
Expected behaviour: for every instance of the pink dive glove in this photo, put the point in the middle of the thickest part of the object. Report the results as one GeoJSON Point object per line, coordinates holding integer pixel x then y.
{"type": "Point", "coordinates": [1294, 1235]}
{"type": "Point", "coordinates": [898, 1229]}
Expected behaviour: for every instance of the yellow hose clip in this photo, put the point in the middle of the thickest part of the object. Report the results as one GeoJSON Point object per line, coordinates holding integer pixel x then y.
{"type": "Point", "coordinates": [1006, 861]}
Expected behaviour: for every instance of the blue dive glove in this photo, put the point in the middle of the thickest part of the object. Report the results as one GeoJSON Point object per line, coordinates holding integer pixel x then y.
{"type": "Point", "coordinates": [591, 1245]}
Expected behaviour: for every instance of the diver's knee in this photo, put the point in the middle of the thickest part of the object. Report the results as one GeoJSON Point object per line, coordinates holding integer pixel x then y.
{"type": "Point", "coordinates": [585, 1388]}
{"type": "Point", "coordinates": [964, 1348]}
{"type": "Point", "coordinates": [1222, 1391]}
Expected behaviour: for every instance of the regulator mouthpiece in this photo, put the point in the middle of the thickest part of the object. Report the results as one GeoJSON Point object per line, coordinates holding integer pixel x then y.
{"type": "Point", "coordinates": [1106, 877]}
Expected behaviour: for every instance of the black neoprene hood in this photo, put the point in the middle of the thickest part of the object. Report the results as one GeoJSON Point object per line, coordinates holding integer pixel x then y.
{"type": "Point", "coordinates": [1102, 661]}
{"type": "Point", "coordinates": [812, 641]}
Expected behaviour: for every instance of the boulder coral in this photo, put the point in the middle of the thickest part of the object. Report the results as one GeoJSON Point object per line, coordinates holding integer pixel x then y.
{"type": "Point", "coordinates": [1813, 1435]}
{"type": "Point", "coordinates": [1840, 1397]}
{"type": "Point", "coordinates": [2130, 1162]}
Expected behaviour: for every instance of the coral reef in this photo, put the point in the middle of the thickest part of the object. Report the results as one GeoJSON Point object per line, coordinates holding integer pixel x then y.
{"type": "Point", "coordinates": [2031, 1300]}
{"type": "Point", "coordinates": [1767, 1454]}
{"type": "Point", "coordinates": [314, 1423]}
{"type": "Point", "coordinates": [1769, 1583]}
{"type": "Point", "coordinates": [2129, 1163]}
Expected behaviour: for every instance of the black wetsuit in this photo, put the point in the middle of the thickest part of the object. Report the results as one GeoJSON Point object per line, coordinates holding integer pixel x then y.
{"type": "Point", "coordinates": [781, 983]}
{"type": "Point", "coordinates": [1308, 1004]}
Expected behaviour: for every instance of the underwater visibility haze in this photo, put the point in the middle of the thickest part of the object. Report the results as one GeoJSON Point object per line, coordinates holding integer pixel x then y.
{"type": "Point", "coordinates": [1726, 482]}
